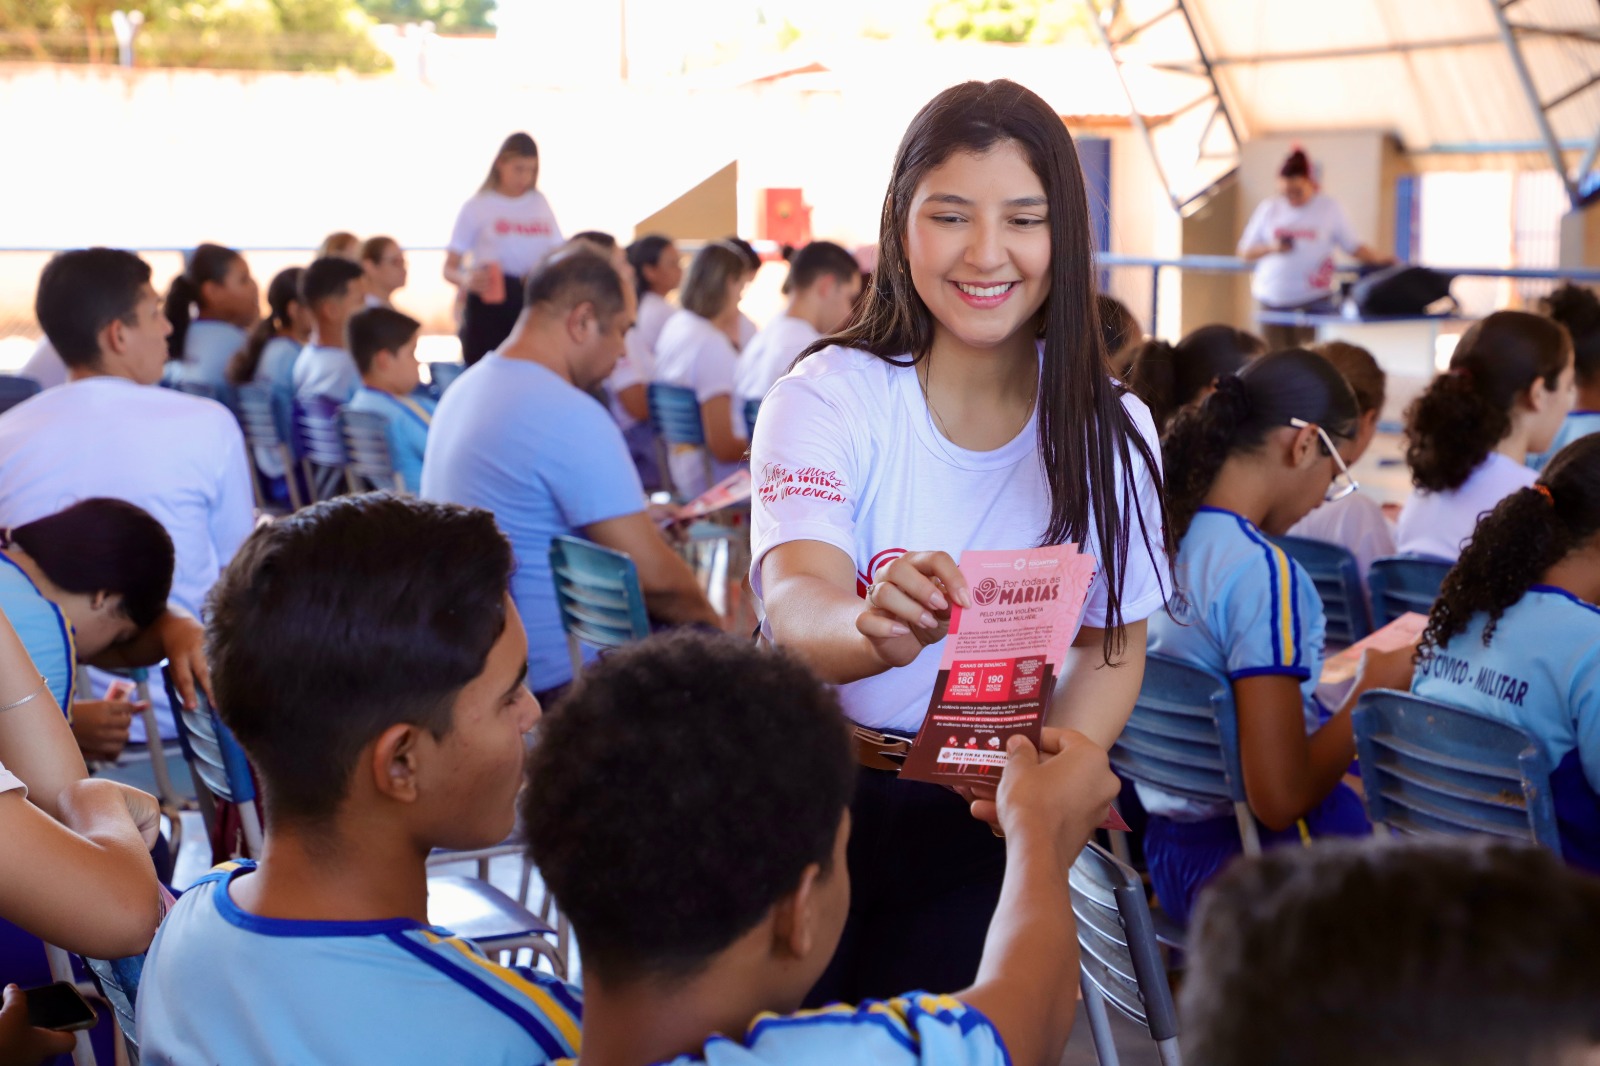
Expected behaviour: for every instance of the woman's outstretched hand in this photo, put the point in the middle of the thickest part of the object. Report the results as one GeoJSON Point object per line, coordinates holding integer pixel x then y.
{"type": "Point", "coordinates": [908, 605]}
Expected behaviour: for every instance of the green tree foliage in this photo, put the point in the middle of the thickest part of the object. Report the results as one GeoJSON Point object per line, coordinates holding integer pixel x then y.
{"type": "Point", "coordinates": [448, 16]}
{"type": "Point", "coordinates": [229, 34]}
{"type": "Point", "coordinates": [1009, 21]}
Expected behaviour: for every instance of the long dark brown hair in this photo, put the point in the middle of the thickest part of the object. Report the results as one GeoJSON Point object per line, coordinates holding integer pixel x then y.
{"type": "Point", "coordinates": [1075, 390]}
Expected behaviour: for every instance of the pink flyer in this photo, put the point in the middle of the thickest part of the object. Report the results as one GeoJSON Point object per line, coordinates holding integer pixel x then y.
{"type": "Point", "coordinates": [1001, 660]}
{"type": "Point", "coordinates": [731, 490]}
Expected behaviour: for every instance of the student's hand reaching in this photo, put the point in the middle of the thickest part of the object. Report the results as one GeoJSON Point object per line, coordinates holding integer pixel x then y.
{"type": "Point", "coordinates": [183, 642]}
{"type": "Point", "coordinates": [22, 1044]}
{"type": "Point", "coordinates": [1059, 792]}
{"type": "Point", "coordinates": [908, 605]}
{"type": "Point", "coordinates": [1385, 669]}
{"type": "Point", "coordinates": [101, 727]}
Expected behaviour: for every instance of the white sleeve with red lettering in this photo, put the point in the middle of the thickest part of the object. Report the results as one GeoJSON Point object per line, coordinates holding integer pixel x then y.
{"type": "Point", "coordinates": [808, 458]}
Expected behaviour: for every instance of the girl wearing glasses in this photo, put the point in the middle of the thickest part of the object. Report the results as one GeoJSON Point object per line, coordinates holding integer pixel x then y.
{"type": "Point", "coordinates": [1249, 462]}
{"type": "Point", "coordinates": [1468, 436]}
{"type": "Point", "coordinates": [1515, 633]}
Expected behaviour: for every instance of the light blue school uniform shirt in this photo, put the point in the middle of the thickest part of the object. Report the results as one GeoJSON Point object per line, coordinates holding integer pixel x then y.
{"type": "Point", "coordinates": [1541, 671]}
{"type": "Point", "coordinates": [514, 438]}
{"type": "Point", "coordinates": [1576, 424]}
{"type": "Point", "coordinates": [276, 366]}
{"type": "Point", "coordinates": [326, 373]}
{"type": "Point", "coordinates": [409, 418]}
{"type": "Point", "coordinates": [221, 985]}
{"type": "Point", "coordinates": [916, 1029]}
{"type": "Point", "coordinates": [208, 347]}
{"type": "Point", "coordinates": [1243, 609]}
{"type": "Point", "coordinates": [44, 631]}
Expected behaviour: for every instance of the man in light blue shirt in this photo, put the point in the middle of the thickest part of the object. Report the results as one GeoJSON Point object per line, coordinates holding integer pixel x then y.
{"type": "Point", "coordinates": [518, 435]}
{"type": "Point", "coordinates": [384, 344]}
{"type": "Point", "coordinates": [380, 700]}
{"type": "Point", "coordinates": [331, 290]}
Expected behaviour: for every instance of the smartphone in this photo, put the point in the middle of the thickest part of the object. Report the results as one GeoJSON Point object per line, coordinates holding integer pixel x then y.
{"type": "Point", "coordinates": [60, 1007]}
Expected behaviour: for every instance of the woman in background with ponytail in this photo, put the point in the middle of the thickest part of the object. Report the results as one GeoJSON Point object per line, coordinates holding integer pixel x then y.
{"type": "Point", "coordinates": [211, 305]}
{"type": "Point", "coordinates": [268, 357]}
{"type": "Point", "coordinates": [1170, 377]}
{"type": "Point", "coordinates": [1515, 633]}
{"type": "Point", "coordinates": [1261, 451]}
{"type": "Point", "coordinates": [1468, 436]}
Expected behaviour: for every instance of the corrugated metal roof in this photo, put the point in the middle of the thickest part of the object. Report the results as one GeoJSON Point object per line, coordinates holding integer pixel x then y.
{"type": "Point", "coordinates": [1435, 72]}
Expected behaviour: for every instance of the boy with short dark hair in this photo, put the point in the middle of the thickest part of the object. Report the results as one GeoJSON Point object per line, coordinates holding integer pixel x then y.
{"type": "Point", "coordinates": [1427, 953]}
{"type": "Point", "coordinates": [384, 716]}
{"type": "Point", "coordinates": [688, 804]}
{"type": "Point", "coordinates": [384, 345]}
{"type": "Point", "coordinates": [331, 289]}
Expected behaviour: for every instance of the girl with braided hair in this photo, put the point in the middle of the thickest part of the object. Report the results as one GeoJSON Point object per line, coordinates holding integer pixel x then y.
{"type": "Point", "coordinates": [1253, 458]}
{"type": "Point", "coordinates": [1515, 633]}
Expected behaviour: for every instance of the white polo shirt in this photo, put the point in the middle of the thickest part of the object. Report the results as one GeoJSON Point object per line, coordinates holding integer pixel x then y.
{"type": "Point", "coordinates": [516, 232]}
{"type": "Point", "coordinates": [693, 353]}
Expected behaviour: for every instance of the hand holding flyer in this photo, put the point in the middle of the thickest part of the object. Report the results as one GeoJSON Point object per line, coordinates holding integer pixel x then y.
{"type": "Point", "coordinates": [1000, 661]}
{"type": "Point", "coordinates": [730, 491]}
{"type": "Point", "coordinates": [1403, 632]}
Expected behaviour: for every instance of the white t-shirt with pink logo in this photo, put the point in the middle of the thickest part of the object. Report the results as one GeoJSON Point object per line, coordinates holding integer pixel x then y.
{"type": "Point", "coordinates": [516, 232]}
{"type": "Point", "coordinates": [1305, 272]}
{"type": "Point", "coordinates": [846, 453]}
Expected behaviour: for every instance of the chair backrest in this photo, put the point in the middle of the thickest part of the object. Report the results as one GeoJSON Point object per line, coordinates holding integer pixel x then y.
{"type": "Point", "coordinates": [442, 375]}
{"type": "Point", "coordinates": [1402, 583]}
{"type": "Point", "coordinates": [321, 447]}
{"type": "Point", "coordinates": [216, 760]}
{"type": "Point", "coordinates": [118, 983]}
{"type": "Point", "coordinates": [751, 409]}
{"type": "Point", "coordinates": [675, 414]}
{"type": "Point", "coordinates": [1118, 951]}
{"type": "Point", "coordinates": [258, 418]}
{"type": "Point", "coordinates": [598, 593]}
{"type": "Point", "coordinates": [1428, 767]}
{"type": "Point", "coordinates": [1183, 737]}
{"type": "Point", "coordinates": [366, 442]}
{"type": "Point", "coordinates": [1338, 579]}
{"type": "Point", "coordinates": [15, 389]}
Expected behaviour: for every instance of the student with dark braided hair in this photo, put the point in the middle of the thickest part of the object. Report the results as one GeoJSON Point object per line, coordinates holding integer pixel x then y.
{"type": "Point", "coordinates": [1469, 434]}
{"type": "Point", "coordinates": [1578, 309]}
{"type": "Point", "coordinates": [1515, 633]}
{"type": "Point", "coordinates": [1170, 377]}
{"type": "Point", "coordinates": [1257, 454]}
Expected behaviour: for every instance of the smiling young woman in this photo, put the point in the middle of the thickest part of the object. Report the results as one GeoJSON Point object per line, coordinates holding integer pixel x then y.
{"type": "Point", "coordinates": [967, 407]}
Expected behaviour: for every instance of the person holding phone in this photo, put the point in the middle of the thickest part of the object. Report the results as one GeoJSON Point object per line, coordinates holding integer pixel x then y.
{"type": "Point", "coordinates": [967, 406]}
{"type": "Point", "coordinates": [1291, 238]}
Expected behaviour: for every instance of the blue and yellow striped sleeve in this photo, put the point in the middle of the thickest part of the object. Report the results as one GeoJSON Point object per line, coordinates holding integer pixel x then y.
{"type": "Point", "coordinates": [1262, 618]}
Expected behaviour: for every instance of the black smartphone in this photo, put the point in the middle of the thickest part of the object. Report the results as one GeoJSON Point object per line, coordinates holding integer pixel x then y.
{"type": "Point", "coordinates": [60, 1007]}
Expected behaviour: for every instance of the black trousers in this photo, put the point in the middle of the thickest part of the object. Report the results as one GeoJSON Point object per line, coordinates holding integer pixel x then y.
{"type": "Point", "coordinates": [484, 326]}
{"type": "Point", "coordinates": [924, 881]}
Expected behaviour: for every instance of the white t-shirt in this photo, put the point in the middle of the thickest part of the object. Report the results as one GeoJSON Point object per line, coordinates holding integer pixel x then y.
{"type": "Point", "coordinates": [10, 781]}
{"type": "Point", "coordinates": [1305, 272]}
{"type": "Point", "coordinates": [770, 355]}
{"type": "Point", "coordinates": [654, 310]}
{"type": "Point", "coordinates": [325, 373]}
{"type": "Point", "coordinates": [1441, 523]}
{"type": "Point", "coordinates": [747, 330]}
{"type": "Point", "coordinates": [516, 232]}
{"type": "Point", "coordinates": [693, 353]}
{"type": "Point", "coordinates": [180, 457]}
{"type": "Point", "coordinates": [636, 367]}
{"type": "Point", "coordinates": [1355, 523]}
{"type": "Point", "coordinates": [846, 454]}
{"type": "Point", "coordinates": [45, 366]}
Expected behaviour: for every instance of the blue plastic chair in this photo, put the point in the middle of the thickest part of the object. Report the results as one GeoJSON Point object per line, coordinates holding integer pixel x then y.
{"type": "Point", "coordinates": [751, 409]}
{"type": "Point", "coordinates": [441, 376]}
{"type": "Point", "coordinates": [117, 981]}
{"type": "Point", "coordinates": [1120, 960]}
{"type": "Point", "coordinates": [1432, 768]}
{"type": "Point", "coordinates": [1401, 583]}
{"type": "Point", "coordinates": [321, 448]}
{"type": "Point", "coordinates": [468, 907]}
{"type": "Point", "coordinates": [366, 443]}
{"type": "Point", "coordinates": [263, 424]}
{"type": "Point", "coordinates": [15, 389]}
{"type": "Point", "coordinates": [1183, 737]}
{"type": "Point", "coordinates": [221, 394]}
{"type": "Point", "coordinates": [1333, 570]}
{"type": "Point", "coordinates": [675, 416]}
{"type": "Point", "coordinates": [598, 594]}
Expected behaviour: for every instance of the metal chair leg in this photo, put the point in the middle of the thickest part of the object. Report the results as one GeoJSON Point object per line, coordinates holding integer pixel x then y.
{"type": "Point", "coordinates": [1094, 1005]}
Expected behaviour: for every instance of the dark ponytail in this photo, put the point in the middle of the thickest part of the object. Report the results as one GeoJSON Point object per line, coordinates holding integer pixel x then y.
{"type": "Point", "coordinates": [1237, 417]}
{"type": "Point", "coordinates": [284, 290]}
{"type": "Point", "coordinates": [645, 252]}
{"type": "Point", "coordinates": [1526, 534]}
{"type": "Point", "coordinates": [1168, 377]}
{"type": "Point", "coordinates": [208, 262]}
{"type": "Point", "coordinates": [1459, 419]}
{"type": "Point", "coordinates": [104, 545]}
{"type": "Point", "coordinates": [1578, 309]}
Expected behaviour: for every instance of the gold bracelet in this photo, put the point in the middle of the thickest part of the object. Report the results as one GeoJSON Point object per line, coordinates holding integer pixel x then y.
{"type": "Point", "coordinates": [30, 697]}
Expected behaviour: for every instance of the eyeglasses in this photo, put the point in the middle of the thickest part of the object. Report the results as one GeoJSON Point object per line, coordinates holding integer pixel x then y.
{"type": "Point", "coordinates": [1344, 482]}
